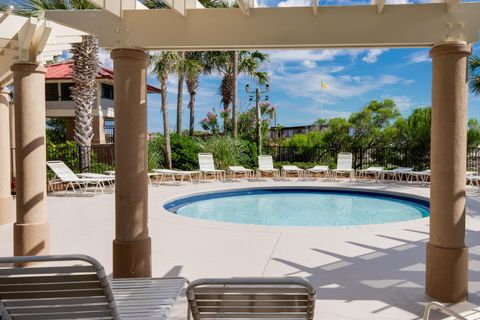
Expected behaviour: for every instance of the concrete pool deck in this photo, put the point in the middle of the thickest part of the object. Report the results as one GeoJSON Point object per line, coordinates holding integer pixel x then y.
{"type": "Point", "coordinates": [362, 272]}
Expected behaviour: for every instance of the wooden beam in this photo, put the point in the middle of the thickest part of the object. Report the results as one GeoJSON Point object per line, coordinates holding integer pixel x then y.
{"type": "Point", "coordinates": [245, 6]}
{"type": "Point", "coordinates": [380, 4]}
{"type": "Point", "coordinates": [451, 4]}
{"type": "Point", "coordinates": [411, 25]}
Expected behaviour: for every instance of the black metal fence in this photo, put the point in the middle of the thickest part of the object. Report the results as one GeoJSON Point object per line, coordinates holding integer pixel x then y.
{"type": "Point", "coordinates": [387, 157]}
{"type": "Point", "coordinates": [102, 157]}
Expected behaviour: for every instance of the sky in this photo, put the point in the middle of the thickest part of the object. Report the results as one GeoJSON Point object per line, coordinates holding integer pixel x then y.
{"type": "Point", "coordinates": [354, 77]}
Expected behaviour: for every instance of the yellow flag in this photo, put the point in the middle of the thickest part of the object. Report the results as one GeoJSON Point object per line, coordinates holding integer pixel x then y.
{"type": "Point", "coordinates": [324, 85]}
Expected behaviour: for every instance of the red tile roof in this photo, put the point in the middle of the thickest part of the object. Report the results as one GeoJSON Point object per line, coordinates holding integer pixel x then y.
{"type": "Point", "coordinates": [63, 71]}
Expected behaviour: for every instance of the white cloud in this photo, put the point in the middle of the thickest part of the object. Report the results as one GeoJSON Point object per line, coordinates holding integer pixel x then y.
{"type": "Point", "coordinates": [309, 64]}
{"type": "Point", "coordinates": [403, 102]}
{"type": "Point", "coordinates": [104, 59]}
{"type": "Point", "coordinates": [372, 55]}
{"type": "Point", "coordinates": [337, 69]}
{"type": "Point", "coordinates": [294, 3]}
{"type": "Point", "coordinates": [419, 57]}
{"type": "Point", "coordinates": [313, 55]}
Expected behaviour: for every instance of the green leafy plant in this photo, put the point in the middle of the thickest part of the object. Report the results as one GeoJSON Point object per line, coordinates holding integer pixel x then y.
{"type": "Point", "coordinates": [227, 151]}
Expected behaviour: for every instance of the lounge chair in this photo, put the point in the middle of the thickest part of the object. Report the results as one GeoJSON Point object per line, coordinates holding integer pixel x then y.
{"type": "Point", "coordinates": [251, 298]}
{"type": "Point", "coordinates": [234, 170]}
{"type": "Point", "coordinates": [325, 170]}
{"type": "Point", "coordinates": [63, 174]}
{"type": "Point", "coordinates": [376, 172]}
{"type": "Point", "coordinates": [164, 173]}
{"type": "Point", "coordinates": [77, 287]}
{"type": "Point", "coordinates": [265, 165]}
{"type": "Point", "coordinates": [150, 175]}
{"type": "Point", "coordinates": [286, 170]}
{"type": "Point", "coordinates": [467, 315]}
{"type": "Point", "coordinates": [344, 165]}
{"type": "Point", "coordinates": [397, 173]}
{"type": "Point", "coordinates": [420, 176]}
{"type": "Point", "coordinates": [207, 166]}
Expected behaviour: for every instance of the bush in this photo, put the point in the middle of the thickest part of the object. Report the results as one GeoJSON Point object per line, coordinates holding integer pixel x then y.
{"type": "Point", "coordinates": [226, 151]}
{"type": "Point", "coordinates": [155, 152]}
{"type": "Point", "coordinates": [185, 151]}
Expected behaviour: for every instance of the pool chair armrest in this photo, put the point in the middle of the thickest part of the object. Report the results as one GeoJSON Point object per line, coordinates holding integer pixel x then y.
{"type": "Point", "coordinates": [443, 309]}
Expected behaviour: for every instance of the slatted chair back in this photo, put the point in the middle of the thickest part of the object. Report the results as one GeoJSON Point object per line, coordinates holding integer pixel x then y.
{"type": "Point", "coordinates": [78, 289]}
{"type": "Point", "coordinates": [374, 169]}
{"type": "Point", "coordinates": [265, 163]}
{"type": "Point", "coordinates": [344, 161]}
{"type": "Point", "coordinates": [205, 160]}
{"type": "Point", "coordinates": [321, 168]}
{"type": "Point", "coordinates": [62, 171]}
{"type": "Point", "coordinates": [251, 298]}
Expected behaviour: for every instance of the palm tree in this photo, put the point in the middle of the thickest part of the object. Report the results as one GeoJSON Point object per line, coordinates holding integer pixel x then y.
{"type": "Point", "coordinates": [223, 62]}
{"type": "Point", "coordinates": [193, 67]}
{"type": "Point", "coordinates": [165, 63]}
{"type": "Point", "coordinates": [474, 82]}
{"type": "Point", "coordinates": [181, 79]}
{"type": "Point", "coordinates": [85, 69]}
{"type": "Point", "coordinates": [235, 94]}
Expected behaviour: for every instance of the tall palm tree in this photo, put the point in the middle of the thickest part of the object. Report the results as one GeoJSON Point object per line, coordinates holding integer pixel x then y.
{"type": "Point", "coordinates": [165, 63]}
{"type": "Point", "coordinates": [181, 79]}
{"type": "Point", "coordinates": [235, 94]}
{"type": "Point", "coordinates": [474, 81]}
{"type": "Point", "coordinates": [248, 63]}
{"type": "Point", "coordinates": [193, 66]}
{"type": "Point", "coordinates": [85, 69]}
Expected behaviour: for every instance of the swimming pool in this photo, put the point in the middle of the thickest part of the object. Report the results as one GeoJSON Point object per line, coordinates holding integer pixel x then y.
{"type": "Point", "coordinates": [300, 207]}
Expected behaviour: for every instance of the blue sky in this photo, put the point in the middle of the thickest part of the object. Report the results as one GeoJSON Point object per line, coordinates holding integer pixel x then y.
{"type": "Point", "coordinates": [354, 77]}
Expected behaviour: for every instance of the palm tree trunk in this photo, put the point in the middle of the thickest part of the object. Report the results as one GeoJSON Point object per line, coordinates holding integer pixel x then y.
{"type": "Point", "coordinates": [166, 129]}
{"type": "Point", "coordinates": [181, 78]}
{"type": "Point", "coordinates": [84, 93]}
{"type": "Point", "coordinates": [191, 106]}
{"type": "Point", "coordinates": [234, 94]}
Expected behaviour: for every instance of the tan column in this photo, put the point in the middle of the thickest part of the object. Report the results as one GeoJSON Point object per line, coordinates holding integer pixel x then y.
{"type": "Point", "coordinates": [447, 255]}
{"type": "Point", "coordinates": [6, 214]}
{"type": "Point", "coordinates": [12, 141]}
{"type": "Point", "coordinates": [132, 244]}
{"type": "Point", "coordinates": [31, 231]}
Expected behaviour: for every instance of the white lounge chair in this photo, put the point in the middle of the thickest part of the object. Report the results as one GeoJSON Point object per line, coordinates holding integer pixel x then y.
{"type": "Point", "coordinates": [325, 170]}
{"type": "Point", "coordinates": [344, 165]}
{"type": "Point", "coordinates": [63, 174]}
{"type": "Point", "coordinates": [376, 172]}
{"type": "Point", "coordinates": [286, 170]}
{"type": "Point", "coordinates": [234, 170]}
{"type": "Point", "coordinates": [397, 173]}
{"type": "Point", "coordinates": [265, 165]}
{"type": "Point", "coordinates": [150, 175]}
{"type": "Point", "coordinates": [164, 173]}
{"type": "Point", "coordinates": [207, 166]}
{"type": "Point", "coordinates": [252, 298]}
{"type": "Point", "coordinates": [77, 287]}
{"type": "Point", "coordinates": [419, 176]}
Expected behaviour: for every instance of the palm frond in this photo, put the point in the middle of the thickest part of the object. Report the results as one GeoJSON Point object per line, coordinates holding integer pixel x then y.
{"type": "Point", "coordinates": [474, 79]}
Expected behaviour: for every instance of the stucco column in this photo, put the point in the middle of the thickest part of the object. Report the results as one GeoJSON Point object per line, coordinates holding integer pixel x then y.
{"type": "Point", "coordinates": [132, 244]}
{"type": "Point", "coordinates": [6, 214]}
{"type": "Point", "coordinates": [447, 255]}
{"type": "Point", "coordinates": [31, 231]}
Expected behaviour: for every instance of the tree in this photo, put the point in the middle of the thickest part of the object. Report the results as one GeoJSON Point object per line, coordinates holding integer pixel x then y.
{"type": "Point", "coordinates": [181, 79]}
{"type": "Point", "coordinates": [247, 121]}
{"type": "Point", "coordinates": [193, 66]}
{"type": "Point", "coordinates": [85, 69]}
{"type": "Point", "coordinates": [235, 93]}
{"type": "Point", "coordinates": [474, 81]}
{"type": "Point", "coordinates": [222, 62]}
{"type": "Point", "coordinates": [165, 63]}
{"type": "Point", "coordinates": [473, 134]}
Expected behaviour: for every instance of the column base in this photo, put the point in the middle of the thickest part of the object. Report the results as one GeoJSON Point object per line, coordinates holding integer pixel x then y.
{"type": "Point", "coordinates": [447, 273]}
{"type": "Point", "coordinates": [31, 239]}
{"type": "Point", "coordinates": [132, 259]}
{"type": "Point", "coordinates": [6, 212]}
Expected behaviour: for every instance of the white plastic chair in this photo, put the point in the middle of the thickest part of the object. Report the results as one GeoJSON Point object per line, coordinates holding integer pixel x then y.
{"type": "Point", "coordinates": [265, 165]}
{"type": "Point", "coordinates": [344, 165]}
{"type": "Point", "coordinates": [207, 166]}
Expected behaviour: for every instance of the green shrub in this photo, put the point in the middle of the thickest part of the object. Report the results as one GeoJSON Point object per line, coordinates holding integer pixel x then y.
{"type": "Point", "coordinates": [155, 152]}
{"type": "Point", "coordinates": [185, 151]}
{"type": "Point", "coordinates": [226, 151]}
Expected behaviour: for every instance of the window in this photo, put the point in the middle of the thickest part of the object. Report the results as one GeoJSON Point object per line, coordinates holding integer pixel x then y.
{"type": "Point", "coordinates": [51, 91]}
{"type": "Point", "coordinates": [107, 91]}
{"type": "Point", "coordinates": [109, 127]}
{"type": "Point", "coordinates": [66, 92]}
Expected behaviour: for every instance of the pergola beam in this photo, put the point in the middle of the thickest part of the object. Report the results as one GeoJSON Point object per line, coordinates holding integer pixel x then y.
{"type": "Point", "coordinates": [411, 25]}
{"type": "Point", "coordinates": [451, 4]}
{"type": "Point", "coordinates": [380, 4]}
{"type": "Point", "coordinates": [245, 6]}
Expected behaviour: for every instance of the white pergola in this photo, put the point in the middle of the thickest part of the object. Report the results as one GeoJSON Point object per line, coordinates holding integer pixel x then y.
{"type": "Point", "coordinates": [129, 29]}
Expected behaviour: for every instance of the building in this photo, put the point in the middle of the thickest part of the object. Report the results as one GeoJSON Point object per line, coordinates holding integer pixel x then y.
{"type": "Point", "coordinates": [59, 104]}
{"type": "Point", "coordinates": [280, 132]}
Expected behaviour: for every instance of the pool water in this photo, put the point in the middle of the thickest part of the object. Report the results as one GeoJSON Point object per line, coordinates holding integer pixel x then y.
{"type": "Point", "coordinates": [300, 207]}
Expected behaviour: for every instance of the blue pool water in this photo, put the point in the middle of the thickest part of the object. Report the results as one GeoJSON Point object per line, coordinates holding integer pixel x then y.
{"type": "Point", "coordinates": [300, 207]}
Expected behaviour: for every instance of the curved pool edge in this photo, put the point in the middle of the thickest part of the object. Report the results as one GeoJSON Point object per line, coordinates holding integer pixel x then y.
{"type": "Point", "coordinates": [366, 188]}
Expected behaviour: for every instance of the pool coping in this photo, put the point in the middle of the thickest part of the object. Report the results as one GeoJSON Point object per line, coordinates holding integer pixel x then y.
{"type": "Point", "coordinates": [212, 224]}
